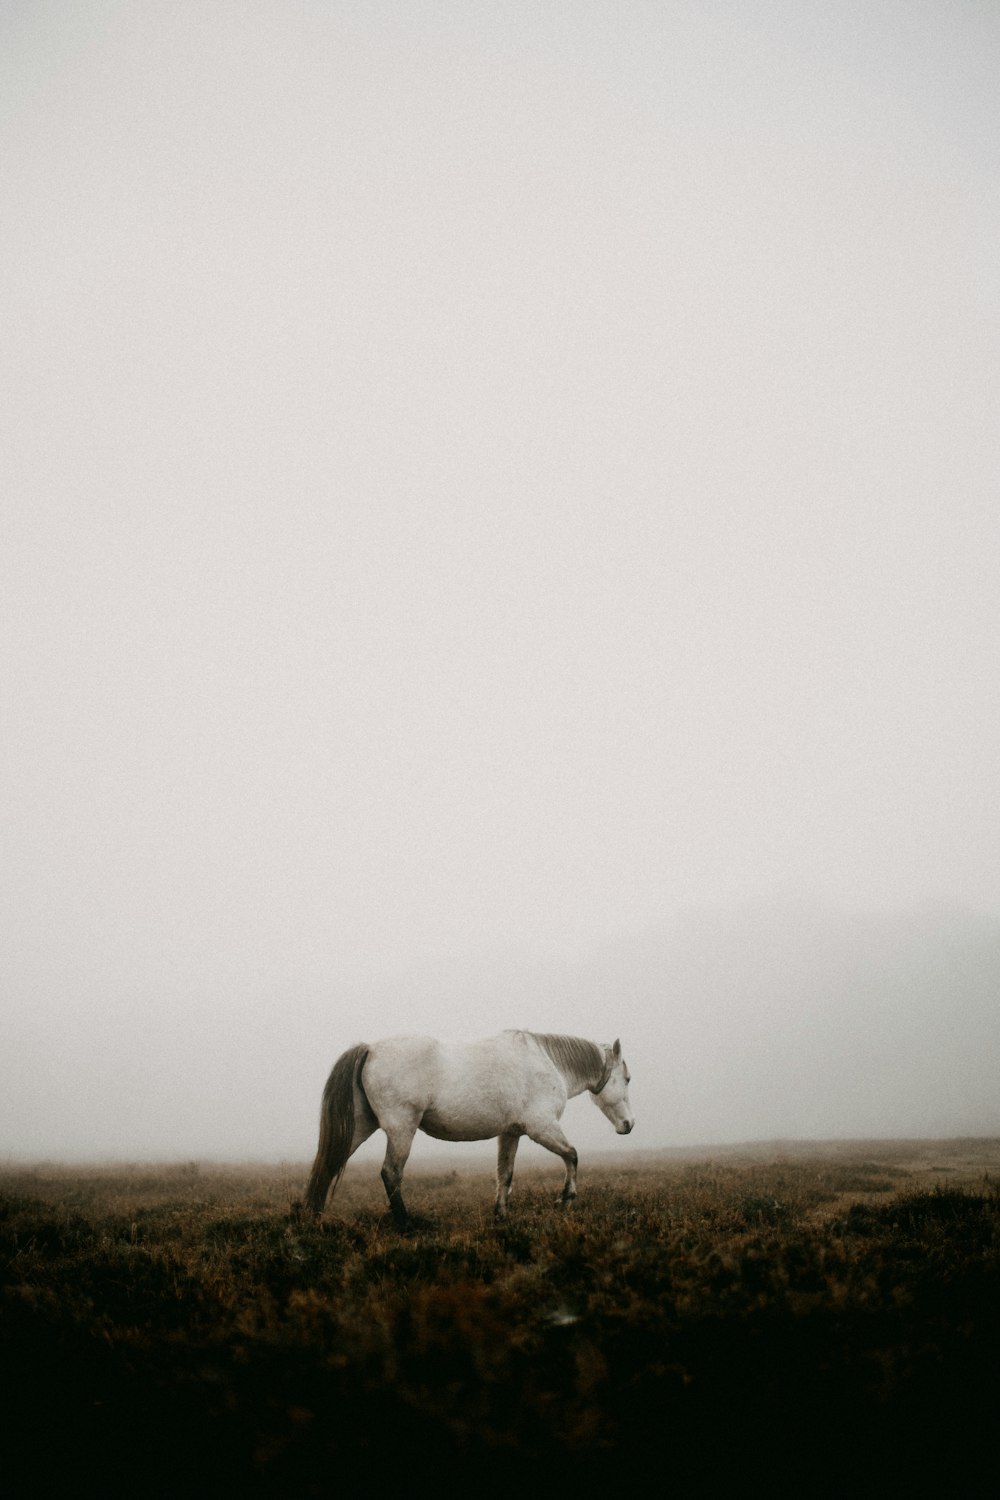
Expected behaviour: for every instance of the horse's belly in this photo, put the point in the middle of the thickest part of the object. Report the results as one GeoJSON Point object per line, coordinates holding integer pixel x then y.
{"type": "Point", "coordinates": [465, 1125]}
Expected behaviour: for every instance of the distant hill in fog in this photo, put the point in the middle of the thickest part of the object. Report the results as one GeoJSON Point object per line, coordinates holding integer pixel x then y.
{"type": "Point", "coordinates": [797, 1021]}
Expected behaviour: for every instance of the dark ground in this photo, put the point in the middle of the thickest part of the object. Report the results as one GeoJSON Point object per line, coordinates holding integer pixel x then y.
{"type": "Point", "coordinates": [806, 1320]}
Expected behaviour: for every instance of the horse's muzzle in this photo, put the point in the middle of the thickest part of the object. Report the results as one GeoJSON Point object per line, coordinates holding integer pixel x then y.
{"type": "Point", "coordinates": [625, 1127]}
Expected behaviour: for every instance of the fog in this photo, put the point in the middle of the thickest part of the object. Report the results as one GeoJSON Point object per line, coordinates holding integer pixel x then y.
{"type": "Point", "coordinates": [500, 529]}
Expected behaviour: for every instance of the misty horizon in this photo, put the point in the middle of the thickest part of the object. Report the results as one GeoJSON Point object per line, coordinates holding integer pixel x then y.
{"type": "Point", "coordinates": [769, 1022]}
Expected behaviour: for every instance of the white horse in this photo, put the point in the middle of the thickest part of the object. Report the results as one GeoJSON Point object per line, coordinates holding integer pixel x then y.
{"type": "Point", "coordinates": [510, 1085]}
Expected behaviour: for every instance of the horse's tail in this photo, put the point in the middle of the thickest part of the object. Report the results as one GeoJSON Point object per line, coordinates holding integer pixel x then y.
{"type": "Point", "coordinates": [336, 1125]}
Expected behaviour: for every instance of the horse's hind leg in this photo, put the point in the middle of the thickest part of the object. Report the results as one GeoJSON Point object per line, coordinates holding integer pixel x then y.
{"type": "Point", "coordinates": [552, 1138]}
{"type": "Point", "coordinates": [506, 1151]}
{"type": "Point", "coordinates": [399, 1139]}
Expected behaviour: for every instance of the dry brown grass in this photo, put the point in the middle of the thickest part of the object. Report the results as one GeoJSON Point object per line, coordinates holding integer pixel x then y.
{"type": "Point", "coordinates": [829, 1312]}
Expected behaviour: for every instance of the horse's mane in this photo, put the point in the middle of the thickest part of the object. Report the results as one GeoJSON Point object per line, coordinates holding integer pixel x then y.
{"type": "Point", "coordinates": [582, 1062]}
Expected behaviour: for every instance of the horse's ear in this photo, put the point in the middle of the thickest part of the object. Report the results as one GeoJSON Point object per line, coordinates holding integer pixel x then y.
{"type": "Point", "coordinates": [616, 1051]}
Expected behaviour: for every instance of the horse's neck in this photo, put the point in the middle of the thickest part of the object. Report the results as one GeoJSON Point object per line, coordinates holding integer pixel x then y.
{"type": "Point", "coordinates": [580, 1062]}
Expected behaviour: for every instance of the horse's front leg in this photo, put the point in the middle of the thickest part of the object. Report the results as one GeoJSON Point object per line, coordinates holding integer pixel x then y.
{"type": "Point", "coordinates": [552, 1138]}
{"type": "Point", "coordinates": [506, 1151]}
{"type": "Point", "coordinates": [399, 1139]}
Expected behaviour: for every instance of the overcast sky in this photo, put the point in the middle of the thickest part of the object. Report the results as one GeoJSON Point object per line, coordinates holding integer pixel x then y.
{"type": "Point", "coordinates": [480, 481]}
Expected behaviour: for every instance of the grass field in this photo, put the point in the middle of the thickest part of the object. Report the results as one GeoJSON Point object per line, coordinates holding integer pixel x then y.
{"type": "Point", "coordinates": [803, 1319]}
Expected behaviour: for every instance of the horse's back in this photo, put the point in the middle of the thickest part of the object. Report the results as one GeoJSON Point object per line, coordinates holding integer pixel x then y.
{"type": "Point", "coordinates": [418, 1055]}
{"type": "Point", "coordinates": [426, 1065]}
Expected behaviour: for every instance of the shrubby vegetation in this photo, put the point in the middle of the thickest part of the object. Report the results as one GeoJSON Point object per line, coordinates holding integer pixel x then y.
{"type": "Point", "coordinates": [802, 1320]}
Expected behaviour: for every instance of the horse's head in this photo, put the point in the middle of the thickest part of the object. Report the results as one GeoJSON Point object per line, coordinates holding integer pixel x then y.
{"type": "Point", "coordinates": [611, 1097]}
